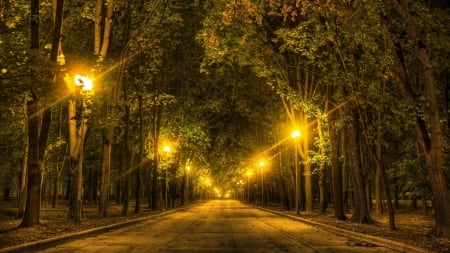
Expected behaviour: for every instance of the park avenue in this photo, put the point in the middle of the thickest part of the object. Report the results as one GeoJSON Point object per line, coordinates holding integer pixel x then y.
{"type": "Point", "coordinates": [218, 226]}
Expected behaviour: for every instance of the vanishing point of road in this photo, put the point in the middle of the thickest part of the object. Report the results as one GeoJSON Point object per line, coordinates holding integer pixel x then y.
{"type": "Point", "coordinates": [217, 226]}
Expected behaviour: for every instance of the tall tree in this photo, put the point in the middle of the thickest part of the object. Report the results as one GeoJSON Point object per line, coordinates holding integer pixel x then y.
{"type": "Point", "coordinates": [101, 45]}
{"type": "Point", "coordinates": [37, 138]}
{"type": "Point", "coordinates": [428, 126]}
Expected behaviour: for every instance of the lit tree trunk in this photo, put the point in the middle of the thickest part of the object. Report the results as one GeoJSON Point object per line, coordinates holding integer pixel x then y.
{"type": "Point", "coordinates": [322, 187]}
{"type": "Point", "coordinates": [23, 171]}
{"type": "Point", "coordinates": [155, 175]}
{"type": "Point", "coordinates": [100, 49]}
{"type": "Point", "coordinates": [184, 188]}
{"type": "Point", "coordinates": [108, 138]}
{"type": "Point", "coordinates": [33, 200]}
{"type": "Point", "coordinates": [37, 138]}
{"type": "Point", "coordinates": [304, 151]}
{"type": "Point", "coordinates": [76, 149]}
{"type": "Point", "coordinates": [280, 179]}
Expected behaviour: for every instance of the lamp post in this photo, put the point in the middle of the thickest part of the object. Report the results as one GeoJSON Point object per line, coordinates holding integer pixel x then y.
{"type": "Point", "coordinates": [249, 174]}
{"type": "Point", "coordinates": [295, 135]}
{"type": "Point", "coordinates": [208, 188]}
{"type": "Point", "coordinates": [188, 169]}
{"type": "Point", "coordinates": [261, 166]}
{"type": "Point", "coordinates": [166, 150]}
{"type": "Point", "coordinates": [84, 86]}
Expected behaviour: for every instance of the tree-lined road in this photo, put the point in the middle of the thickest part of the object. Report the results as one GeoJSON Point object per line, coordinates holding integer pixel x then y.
{"type": "Point", "coordinates": [217, 226]}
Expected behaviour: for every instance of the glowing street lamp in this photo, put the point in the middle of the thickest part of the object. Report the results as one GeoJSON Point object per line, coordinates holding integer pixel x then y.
{"type": "Point", "coordinates": [76, 141]}
{"type": "Point", "coordinates": [188, 169]}
{"type": "Point", "coordinates": [261, 166]}
{"type": "Point", "coordinates": [84, 82]}
{"type": "Point", "coordinates": [249, 174]}
{"type": "Point", "coordinates": [295, 135]}
{"type": "Point", "coordinates": [166, 149]}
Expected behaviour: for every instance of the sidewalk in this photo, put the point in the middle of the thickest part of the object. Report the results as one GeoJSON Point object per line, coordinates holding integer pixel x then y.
{"type": "Point", "coordinates": [395, 245]}
{"type": "Point", "coordinates": [35, 246]}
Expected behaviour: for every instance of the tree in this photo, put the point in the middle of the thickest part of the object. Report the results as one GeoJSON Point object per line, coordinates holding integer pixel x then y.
{"type": "Point", "coordinates": [37, 138]}
{"type": "Point", "coordinates": [428, 126]}
{"type": "Point", "coordinates": [101, 45]}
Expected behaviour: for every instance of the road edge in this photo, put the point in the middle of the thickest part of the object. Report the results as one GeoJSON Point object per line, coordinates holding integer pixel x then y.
{"type": "Point", "coordinates": [388, 243]}
{"type": "Point", "coordinates": [46, 243]}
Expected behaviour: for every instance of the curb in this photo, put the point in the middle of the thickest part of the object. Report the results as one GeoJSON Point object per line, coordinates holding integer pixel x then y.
{"type": "Point", "coordinates": [46, 243]}
{"type": "Point", "coordinates": [394, 245]}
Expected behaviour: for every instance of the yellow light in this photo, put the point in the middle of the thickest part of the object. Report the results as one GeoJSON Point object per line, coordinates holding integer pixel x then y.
{"type": "Point", "coordinates": [295, 134]}
{"type": "Point", "coordinates": [84, 82]}
{"type": "Point", "coordinates": [166, 149]}
{"type": "Point", "coordinates": [188, 168]}
{"type": "Point", "coordinates": [261, 164]}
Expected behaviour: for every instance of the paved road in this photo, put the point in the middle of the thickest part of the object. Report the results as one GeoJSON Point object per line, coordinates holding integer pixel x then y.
{"type": "Point", "coordinates": [217, 226]}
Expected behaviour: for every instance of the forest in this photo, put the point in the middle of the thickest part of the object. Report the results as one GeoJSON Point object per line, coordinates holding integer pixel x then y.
{"type": "Point", "coordinates": [310, 104]}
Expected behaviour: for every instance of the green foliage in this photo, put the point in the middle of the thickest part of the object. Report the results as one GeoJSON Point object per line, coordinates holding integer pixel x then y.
{"type": "Point", "coordinates": [218, 71]}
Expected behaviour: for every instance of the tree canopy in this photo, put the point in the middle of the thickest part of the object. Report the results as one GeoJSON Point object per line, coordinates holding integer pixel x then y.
{"type": "Point", "coordinates": [224, 82]}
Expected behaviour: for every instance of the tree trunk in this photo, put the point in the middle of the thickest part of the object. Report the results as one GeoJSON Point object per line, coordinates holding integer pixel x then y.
{"type": "Point", "coordinates": [126, 151]}
{"type": "Point", "coordinates": [23, 171]}
{"type": "Point", "coordinates": [304, 151]}
{"type": "Point", "coordinates": [59, 164]}
{"type": "Point", "coordinates": [377, 157]}
{"type": "Point", "coordinates": [105, 176]}
{"type": "Point", "coordinates": [322, 187]}
{"type": "Point", "coordinates": [336, 168]}
{"type": "Point", "coordinates": [378, 191]}
{"type": "Point", "coordinates": [156, 190]}
{"type": "Point", "coordinates": [37, 140]}
{"type": "Point", "coordinates": [33, 200]}
{"type": "Point", "coordinates": [428, 130]}
{"type": "Point", "coordinates": [360, 209]}
{"type": "Point", "coordinates": [138, 172]}
{"type": "Point", "coordinates": [281, 182]}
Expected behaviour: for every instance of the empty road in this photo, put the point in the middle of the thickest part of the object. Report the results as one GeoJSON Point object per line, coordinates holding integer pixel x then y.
{"type": "Point", "coordinates": [216, 226]}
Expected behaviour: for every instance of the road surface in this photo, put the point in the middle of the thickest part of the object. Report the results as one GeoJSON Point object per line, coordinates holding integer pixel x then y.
{"type": "Point", "coordinates": [217, 226]}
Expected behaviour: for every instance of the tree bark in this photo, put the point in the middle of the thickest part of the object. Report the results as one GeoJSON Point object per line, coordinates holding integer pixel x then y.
{"type": "Point", "coordinates": [155, 174]}
{"type": "Point", "coordinates": [24, 170]}
{"type": "Point", "coordinates": [336, 168]}
{"type": "Point", "coordinates": [37, 138]}
{"type": "Point", "coordinates": [322, 175]}
{"type": "Point", "coordinates": [138, 172]}
{"type": "Point", "coordinates": [126, 151]}
{"type": "Point", "coordinates": [428, 129]}
{"type": "Point", "coordinates": [360, 209]}
{"type": "Point", "coordinates": [33, 200]}
{"type": "Point", "coordinates": [105, 176]}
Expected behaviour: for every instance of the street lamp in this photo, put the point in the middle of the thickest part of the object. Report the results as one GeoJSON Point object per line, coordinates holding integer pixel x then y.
{"type": "Point", "coordinates": [261, 166]}
{"type": "Point", "coordinates": [295, 135]}
{"type": "Point", "coordinates": [208, 189]}
{"type": "Point", "coordinates": [83, 86]}
{"type": "Point", "coordinates": [166, 150]}
{"type": "Point", "coordinates": [249, 174]}
{"type": "Point", "coordinates": [188, 169]}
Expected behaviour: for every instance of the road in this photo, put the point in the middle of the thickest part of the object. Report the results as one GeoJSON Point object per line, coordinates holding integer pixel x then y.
{"type": "Point", "coordinates": [217, 226]}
